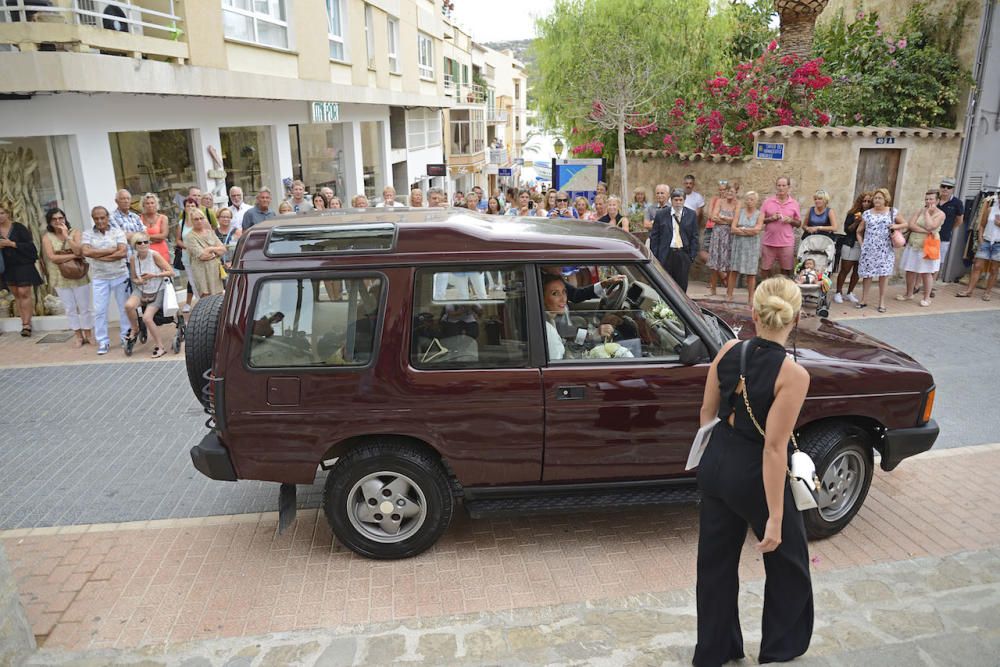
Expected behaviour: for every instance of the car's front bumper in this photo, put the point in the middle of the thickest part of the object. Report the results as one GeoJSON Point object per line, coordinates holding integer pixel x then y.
{"type": "Point", "coordinates": [211, 458]}
{"type": "Point", "coordinates": [901, 443]}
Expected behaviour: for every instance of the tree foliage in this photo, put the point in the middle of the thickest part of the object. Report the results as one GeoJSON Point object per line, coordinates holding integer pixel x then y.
{"type": "Point", "coordinates": [585, 46]}
{"type": "Point", "coordinates": [910, 77]}
{"type": "Point", "coordinates": [752, 29]}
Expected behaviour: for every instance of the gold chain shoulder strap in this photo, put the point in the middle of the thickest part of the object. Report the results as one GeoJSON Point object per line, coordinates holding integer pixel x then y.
{"type": "Point", "coordinates": [746, 400]}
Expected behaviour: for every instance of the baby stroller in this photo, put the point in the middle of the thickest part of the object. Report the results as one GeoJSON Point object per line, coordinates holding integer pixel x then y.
{"type": "Point", "coordinates": [159, 319]}
{"type": "Point", "coordinates": [822, 250]}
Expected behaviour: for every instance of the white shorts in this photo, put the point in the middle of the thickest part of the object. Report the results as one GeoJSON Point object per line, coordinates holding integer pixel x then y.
{"type": "Point", "coordinates": [850, 253]}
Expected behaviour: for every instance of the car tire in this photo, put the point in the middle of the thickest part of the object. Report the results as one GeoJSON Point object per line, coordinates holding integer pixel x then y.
{"type": "Point", "coordinates": [843, 457]}
{"type": "Point", "coordinates": [366, 481]}
{"type": "Point", "coordinates": [200, 348]}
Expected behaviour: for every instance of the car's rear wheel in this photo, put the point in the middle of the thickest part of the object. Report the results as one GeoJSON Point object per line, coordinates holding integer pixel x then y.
{"type": "Point", "coordinates": [388, 500]}
{"type": "Point", "coordinates": [843, 457]}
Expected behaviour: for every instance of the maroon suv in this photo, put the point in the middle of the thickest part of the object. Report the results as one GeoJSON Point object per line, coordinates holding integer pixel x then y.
{"type": "Point", "coordinates": [519, 365]}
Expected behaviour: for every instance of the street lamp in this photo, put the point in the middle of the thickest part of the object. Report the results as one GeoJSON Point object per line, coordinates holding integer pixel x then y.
{"type": "Point", "coordinates": [558, 146]}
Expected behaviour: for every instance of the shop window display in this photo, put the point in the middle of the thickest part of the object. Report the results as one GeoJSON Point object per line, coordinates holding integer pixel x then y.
{"type": "Point", "coordinates": [246, 154]}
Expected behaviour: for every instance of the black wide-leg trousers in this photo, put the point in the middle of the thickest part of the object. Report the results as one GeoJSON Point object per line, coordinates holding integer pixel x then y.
{"type": "Point", "coordinates": [732, 490]}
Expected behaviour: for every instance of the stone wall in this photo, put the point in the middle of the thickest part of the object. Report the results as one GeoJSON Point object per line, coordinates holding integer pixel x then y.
{"type": "Point", "coordinates": [16, 640]}
{"type": "Point", "coordinates": [814, 158]}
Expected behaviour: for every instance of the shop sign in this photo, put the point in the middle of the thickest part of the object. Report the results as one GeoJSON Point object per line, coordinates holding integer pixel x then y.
{"type": "Point", "coordinates": [766, 151]}
{"type": "Point", "coordinates": [437, 169]}
{"type": "Point", "coordinates": [325, 112]}
{"type": "Point", "coordinates": [505, 172]}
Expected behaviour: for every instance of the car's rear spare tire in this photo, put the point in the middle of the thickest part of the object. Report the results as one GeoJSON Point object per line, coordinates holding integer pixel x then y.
{"type": "Point", "coordinates": [843, 457]}
{"type": "Point", "coordinates": [199, 342]}
{"type": "Point", "coordinates": [388, 500]}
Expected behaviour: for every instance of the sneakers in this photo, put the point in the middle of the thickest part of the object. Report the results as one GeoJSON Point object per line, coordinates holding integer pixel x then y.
{"type": "Point", "coordinates": [852, 298]}
{"type": "Point", "coordinates": [103, 348]}
{"type": "Point", "coordinates": [186, 308]}
{"type": "Point", "coordinates": [837, 298]}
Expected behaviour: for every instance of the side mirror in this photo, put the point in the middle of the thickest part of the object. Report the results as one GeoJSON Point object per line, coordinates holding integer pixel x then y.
{"type": "Point", "coordinates": [693, 350]}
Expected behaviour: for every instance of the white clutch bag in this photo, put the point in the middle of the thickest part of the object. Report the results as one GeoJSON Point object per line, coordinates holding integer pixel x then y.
{"type": "Point", "coordinates": [803, 480]}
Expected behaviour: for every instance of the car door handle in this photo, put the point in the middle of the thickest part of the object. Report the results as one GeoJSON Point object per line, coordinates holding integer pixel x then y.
{"type": "Point", "coordinates": [574, 393]}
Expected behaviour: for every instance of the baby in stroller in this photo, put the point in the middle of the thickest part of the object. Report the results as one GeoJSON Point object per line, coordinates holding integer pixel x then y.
{"type": "Point", "coordinates": [150, 274]}
{"type": "Point", "coordinates": [808, 274]}
{"type": "Point", "coordinates": [816, 255]}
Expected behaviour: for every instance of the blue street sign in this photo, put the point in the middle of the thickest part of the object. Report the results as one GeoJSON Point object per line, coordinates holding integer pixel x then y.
{"type": "Point", "coordinates": [767, 151]}
{"type": "Point", "coordinates": [505, 171]}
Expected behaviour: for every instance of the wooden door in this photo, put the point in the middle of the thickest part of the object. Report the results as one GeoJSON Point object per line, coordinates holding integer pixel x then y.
{"type": "Point", "coordinates": [877, 168]}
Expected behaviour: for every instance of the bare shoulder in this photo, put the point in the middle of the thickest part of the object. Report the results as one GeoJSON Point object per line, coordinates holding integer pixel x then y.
{"type": "Point", "coordinates": [793, 375]}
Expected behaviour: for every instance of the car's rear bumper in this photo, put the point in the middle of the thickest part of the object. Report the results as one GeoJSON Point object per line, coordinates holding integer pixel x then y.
{"type": "Point", "coordinates": [211, 459]}
{"type": "Point", "coordinates": [901, 443]}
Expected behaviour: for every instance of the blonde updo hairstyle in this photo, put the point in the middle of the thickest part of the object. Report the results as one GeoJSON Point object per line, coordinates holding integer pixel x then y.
{"type": "Point", "coordinates": [777, 302]}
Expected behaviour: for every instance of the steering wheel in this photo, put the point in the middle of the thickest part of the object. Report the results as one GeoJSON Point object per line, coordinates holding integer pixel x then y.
{"type": "Point", "coordinates": [614, 298]}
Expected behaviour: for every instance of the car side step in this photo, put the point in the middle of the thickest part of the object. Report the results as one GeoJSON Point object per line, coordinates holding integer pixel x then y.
{"type": "Point", "coordinates": [581, 502]}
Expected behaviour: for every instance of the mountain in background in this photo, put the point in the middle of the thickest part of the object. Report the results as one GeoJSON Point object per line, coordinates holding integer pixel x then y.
{"type": "Point", "coordinates": [518, 46]}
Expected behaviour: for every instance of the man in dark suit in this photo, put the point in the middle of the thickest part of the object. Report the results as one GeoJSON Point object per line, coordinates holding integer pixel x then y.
{"type": "Point", "coordinates": [673, 240]}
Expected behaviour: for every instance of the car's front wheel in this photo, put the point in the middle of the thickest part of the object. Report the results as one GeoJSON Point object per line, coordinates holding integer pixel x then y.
{"type": "Point", "coordinates": [388, 500]}
{"type": "Point", "coordinates": [842, 454]}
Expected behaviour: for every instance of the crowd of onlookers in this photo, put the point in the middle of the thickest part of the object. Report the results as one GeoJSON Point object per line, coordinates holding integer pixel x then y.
{"type": "Point", "coordinates": [738, 236]}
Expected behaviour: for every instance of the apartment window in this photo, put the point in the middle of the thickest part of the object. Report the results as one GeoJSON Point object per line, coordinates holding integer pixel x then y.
{"type": "Point", "coordinates": [335, 29]}
{"type": "Point", "coordinates": [258, 21]}
{"type": "Point", "coordinates": [423, 128]}
{"type": "Point", "coordinates": [517, 90]}
{"type": "Point", "coordinates": [465, 74]}
{"type": "Point", "coordinates": [468, 131]}
{"type": "Point", "coordinates": [369, 37]}
{"type": "Point", "coordinates": [392, 28]}
{"type": "Point", "coordinates": [425, 56]}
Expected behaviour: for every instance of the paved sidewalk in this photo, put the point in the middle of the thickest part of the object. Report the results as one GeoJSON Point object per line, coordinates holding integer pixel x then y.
{"type": "Point", "coordinates": [944, 302]}
{"type": "Point", "coordinates": [928, 611]}
{"type": "Point", "coordinates": [162, 583]}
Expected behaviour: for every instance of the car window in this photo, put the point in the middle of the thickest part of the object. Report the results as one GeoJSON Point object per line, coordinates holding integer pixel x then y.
{"type": "Point", "coordinates": [315, 323]}
{"type": "Point", "coordinates": [629, 319]}
{"type": "Point", "coordinates": [466, 318]}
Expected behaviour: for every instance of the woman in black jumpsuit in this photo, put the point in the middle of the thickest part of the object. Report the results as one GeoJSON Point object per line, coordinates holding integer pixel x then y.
{"type": "Point", "coordinates": [742, 478]}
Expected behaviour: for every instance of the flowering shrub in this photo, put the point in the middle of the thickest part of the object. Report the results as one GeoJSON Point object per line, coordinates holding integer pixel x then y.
{"type": "Point", "coordinates": [773, 89]}
{"type": "Point", "coordinates": [909, 79]}
{"type": "Point", "coordinates": [595, 147]}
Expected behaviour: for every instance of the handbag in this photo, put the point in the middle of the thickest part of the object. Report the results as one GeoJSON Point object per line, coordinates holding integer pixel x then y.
{"type": "Point", "coordinates": [802, 470]}
{"type": "Point", "coordinates": [74, 269]}
{"type": "Point", "coordinates": [898, 240]}
{"type": "Point", "coordinates": [169, 298]}
{"type": "Point", "coordinates": [932, 247]}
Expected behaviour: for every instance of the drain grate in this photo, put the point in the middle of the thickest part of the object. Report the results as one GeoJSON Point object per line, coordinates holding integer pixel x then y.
{"type": "Point", "coordinates": [60, 337]}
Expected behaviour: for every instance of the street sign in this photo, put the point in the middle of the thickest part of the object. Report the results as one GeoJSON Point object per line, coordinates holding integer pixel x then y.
{"type": "Point", "coordinates": [324, 112]}
{"type": "Point", "coordinates": [766, 151]}
{"type": "Point", "coordinates": [881, 141]}
{"type": "Point", "coordinates": [505, 171]}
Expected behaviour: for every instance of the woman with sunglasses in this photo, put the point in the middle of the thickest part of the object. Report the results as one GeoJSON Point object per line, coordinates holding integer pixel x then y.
{"type": "Point", "coordinates": [562, 208]}
{"type": "Point", "coordinates": [149, 272]}
{"type": "Point", "coordinates": [62, 244]}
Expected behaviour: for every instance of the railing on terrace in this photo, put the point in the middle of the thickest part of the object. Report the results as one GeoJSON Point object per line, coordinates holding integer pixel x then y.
{"type": "Point", "coordinates": [464, 93]}
{"type": "Point", "coordinates": [494, 115]}
{"type": "Point", "coordinates": [117, 26]}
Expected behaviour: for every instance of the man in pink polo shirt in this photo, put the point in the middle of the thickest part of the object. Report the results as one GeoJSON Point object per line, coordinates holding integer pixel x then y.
{"type": "Point", "coordinates": [781, 217]}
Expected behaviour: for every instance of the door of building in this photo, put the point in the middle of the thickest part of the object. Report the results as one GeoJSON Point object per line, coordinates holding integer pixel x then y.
{"type": "Point", "coordinates": [877, 168]}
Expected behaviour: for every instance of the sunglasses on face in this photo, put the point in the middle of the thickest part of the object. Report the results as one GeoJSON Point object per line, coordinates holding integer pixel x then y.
{"type": "Point", "coordinates": [947, 187]}
{"type": "Point", "coordinates": [142, 242]}
{"type": "Point", "coordinates": [562, 201]}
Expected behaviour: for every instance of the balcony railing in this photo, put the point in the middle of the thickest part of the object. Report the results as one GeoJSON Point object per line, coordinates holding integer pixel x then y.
{"type": "Point", "coordinates": [108, 26]}
{"type": "Point", "coordinates": [499, 156]}
{"type": "Point", "coordinates": [464, 93]}
{"type": "Point", "coordinates": [494, 115]}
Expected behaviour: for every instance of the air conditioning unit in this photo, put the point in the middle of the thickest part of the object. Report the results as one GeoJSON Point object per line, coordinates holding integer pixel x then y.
{"type": "Point", "coordinates": [114, 16]}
